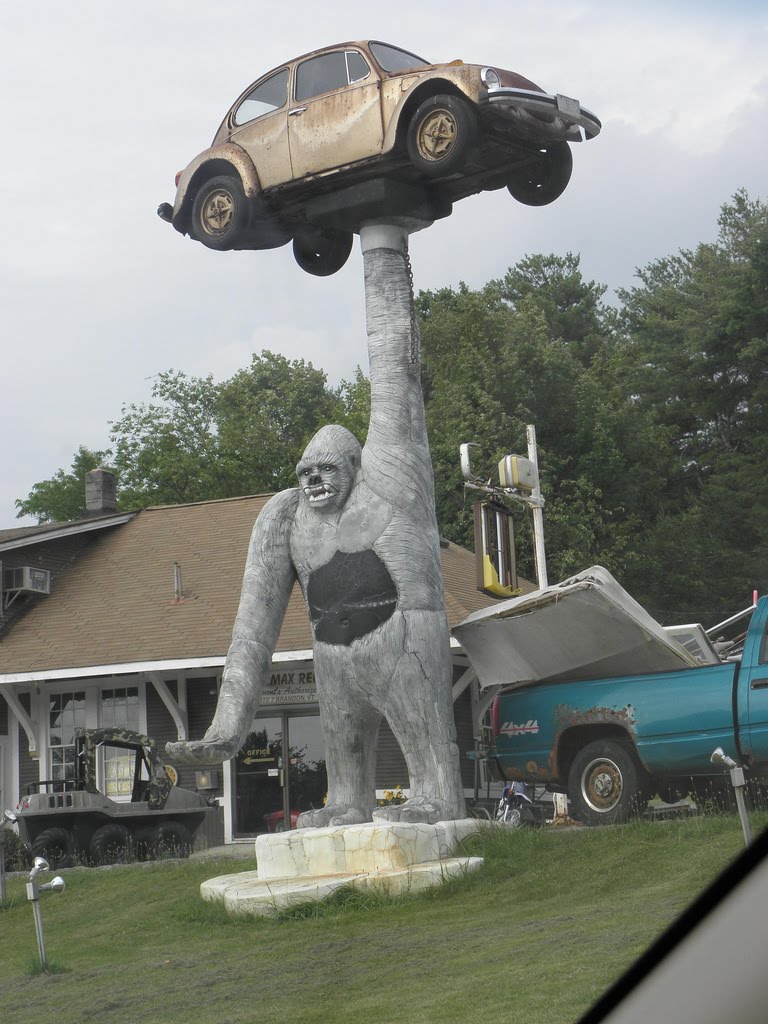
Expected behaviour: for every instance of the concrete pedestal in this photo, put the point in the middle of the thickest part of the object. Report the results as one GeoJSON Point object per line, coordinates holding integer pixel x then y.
{"type": "Point", "coordinates": [309, 864]}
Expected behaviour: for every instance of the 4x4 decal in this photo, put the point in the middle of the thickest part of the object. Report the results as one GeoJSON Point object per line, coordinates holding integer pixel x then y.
{"type": "Point", "coordinates": [513, 729]}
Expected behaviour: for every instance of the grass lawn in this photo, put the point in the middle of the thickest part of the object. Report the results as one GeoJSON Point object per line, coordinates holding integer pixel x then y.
{"type": "Point", "coordinates": [534, 937]}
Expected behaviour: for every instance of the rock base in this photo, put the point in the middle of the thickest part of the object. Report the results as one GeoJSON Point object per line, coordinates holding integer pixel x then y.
{"type": "Point", "coordinates": [309, 864]}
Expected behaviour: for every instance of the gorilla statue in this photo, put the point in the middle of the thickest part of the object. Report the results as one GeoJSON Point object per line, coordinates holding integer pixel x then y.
{"type": "Point", "coordinates": [360, 535]}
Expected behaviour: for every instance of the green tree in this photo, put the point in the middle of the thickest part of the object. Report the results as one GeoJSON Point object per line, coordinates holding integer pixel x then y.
{"type": "Point", "coordinates": [573, 309]}
{"type": "Point", "coordinates": [62, 498]}
{"type": "Point", "coordinates": [538, 347]}
{"type": "Point", "coordinates": [463, 335]}
{"type": "Point", "coordinates": [697, 326]}
{"type": "Point", "coordinates": [198, 440]}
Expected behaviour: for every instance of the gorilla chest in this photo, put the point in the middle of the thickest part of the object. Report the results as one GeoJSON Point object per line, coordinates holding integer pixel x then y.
{"type": "Point", "coordinates": [348, 587]}
{"type": "Point", "coordinates": [349, 596]}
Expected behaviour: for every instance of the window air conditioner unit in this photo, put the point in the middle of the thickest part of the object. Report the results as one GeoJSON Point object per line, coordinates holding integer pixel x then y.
{"type": "Point", "coordinates": [27, 579]}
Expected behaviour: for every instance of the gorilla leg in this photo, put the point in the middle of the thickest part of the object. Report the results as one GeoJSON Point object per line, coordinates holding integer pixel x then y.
{"type": "Point", "coordinates": [419, 710]}
{"type": "Point", "coordinates": [350, 726]}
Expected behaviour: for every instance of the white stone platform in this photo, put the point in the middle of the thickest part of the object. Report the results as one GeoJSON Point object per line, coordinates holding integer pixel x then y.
{"type": "Point", "coordinates": [309, 863]}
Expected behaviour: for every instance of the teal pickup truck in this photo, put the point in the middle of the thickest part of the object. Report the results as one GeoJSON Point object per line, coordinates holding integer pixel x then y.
{"type": "Point", "coordinates": [612, 743]}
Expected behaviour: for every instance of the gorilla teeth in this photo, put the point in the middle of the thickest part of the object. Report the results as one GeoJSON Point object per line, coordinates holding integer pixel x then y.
{"type": "Point", "coordinates": [322, 495]}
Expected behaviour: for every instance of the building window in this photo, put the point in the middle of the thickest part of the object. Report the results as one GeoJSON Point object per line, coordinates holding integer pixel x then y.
{"type": "Point", "coordinates": [66, 713]}
{"type": "Point", "coordinates": [119, 710]}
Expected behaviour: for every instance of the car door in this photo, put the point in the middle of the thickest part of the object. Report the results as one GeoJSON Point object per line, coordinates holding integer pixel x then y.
{"type": "Point", "coordinates": [335, 116]}
{"type": "Point", "coordinates": [259, 123]}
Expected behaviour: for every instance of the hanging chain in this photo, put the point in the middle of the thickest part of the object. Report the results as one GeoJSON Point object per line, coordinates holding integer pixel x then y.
{"type": "Point", "coordinates": [415, 335]}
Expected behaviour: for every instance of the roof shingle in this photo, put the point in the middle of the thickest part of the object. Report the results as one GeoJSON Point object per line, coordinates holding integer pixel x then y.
{"type": "Point", "coordinates": [116, 604]}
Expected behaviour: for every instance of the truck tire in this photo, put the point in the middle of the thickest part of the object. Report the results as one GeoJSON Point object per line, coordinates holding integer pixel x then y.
{"type": "Point", "coordinates": [171, 839]}
{"type": "Point", "coordinates": [605, 783]}
{"type": "Point", "coordinates": [56, 845]}
{"type": "Point", "coordinates": [111, 844]}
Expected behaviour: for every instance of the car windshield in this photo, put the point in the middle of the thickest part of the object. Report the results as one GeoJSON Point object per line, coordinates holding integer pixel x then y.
{"type": "Point", "coordinates": [392, 59]}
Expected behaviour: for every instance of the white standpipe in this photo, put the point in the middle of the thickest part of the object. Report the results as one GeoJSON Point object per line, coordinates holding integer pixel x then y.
{"type": "Point", "coordinates": [537, 512]}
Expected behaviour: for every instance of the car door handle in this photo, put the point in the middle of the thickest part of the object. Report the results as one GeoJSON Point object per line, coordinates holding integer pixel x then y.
{"type": "Point", "coordinates": [295, 111]}
{"type": "Point", "coordinates": [759, 684]}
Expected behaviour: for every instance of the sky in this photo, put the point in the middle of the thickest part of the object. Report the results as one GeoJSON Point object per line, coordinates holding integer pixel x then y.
{"type": "Point", "coordinates": [104, 102]}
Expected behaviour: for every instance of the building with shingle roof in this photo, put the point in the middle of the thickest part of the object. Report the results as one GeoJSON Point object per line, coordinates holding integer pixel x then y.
{"type": "Point", "coordinates": [134, 632]}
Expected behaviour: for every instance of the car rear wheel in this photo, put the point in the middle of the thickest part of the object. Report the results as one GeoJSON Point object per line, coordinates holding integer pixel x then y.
{"type": "Point", "coordinates": [545, 178]}
{"type": "Point", "coordinates": [220, 213]}
{"type": "Point", "coordinates": [606, 784]}
{"type": "Point", "coordinates": [322, 252]}
{"type": "Point", "coordinates": [56, 845]}
{"type": "Point", "coordinates": [440, 136]}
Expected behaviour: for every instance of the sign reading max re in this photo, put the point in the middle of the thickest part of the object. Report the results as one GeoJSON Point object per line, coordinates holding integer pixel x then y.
{"type": "Point", "coordinates": [294, 686]}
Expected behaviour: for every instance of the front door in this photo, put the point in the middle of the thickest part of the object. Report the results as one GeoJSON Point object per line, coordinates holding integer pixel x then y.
{"type": "Point", "coordinates": [259, 777]}
{"type": "Point", "coordinates": [278, 773]}
{"type": "Point", "coordinates": [335, 116]}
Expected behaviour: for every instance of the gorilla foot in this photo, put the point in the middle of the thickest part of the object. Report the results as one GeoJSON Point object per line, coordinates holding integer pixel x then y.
{"type": "Point", "coordinates": [418, 809]}
{"type": "Point", "coordinates": [332, 814]}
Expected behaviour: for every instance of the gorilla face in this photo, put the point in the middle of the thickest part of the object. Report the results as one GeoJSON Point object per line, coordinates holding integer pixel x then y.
{"type": "Point", "coordinates": [327, 469]}
{"type": "Point", "coordinates": [326, 485]}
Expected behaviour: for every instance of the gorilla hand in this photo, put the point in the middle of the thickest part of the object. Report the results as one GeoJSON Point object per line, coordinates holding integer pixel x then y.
{"type": "Point", "coordinates": [212, 747]}
{"type": "Point", "coordinates": [238, 700]}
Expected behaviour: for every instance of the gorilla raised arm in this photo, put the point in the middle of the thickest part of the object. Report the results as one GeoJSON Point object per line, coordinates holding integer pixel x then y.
{"type": "Point", "coordinates": [360, 534]}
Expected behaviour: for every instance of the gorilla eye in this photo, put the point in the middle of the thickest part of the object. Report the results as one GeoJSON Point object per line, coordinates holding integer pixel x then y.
{"type": "Point", "coordinates": [329, 468]}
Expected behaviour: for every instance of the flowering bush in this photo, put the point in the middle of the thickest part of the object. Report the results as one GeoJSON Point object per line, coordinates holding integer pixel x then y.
{"type": "Point", "coordinates": [392, 796]}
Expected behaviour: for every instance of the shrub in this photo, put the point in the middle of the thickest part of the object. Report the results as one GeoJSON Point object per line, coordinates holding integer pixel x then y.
{"type": "Point", "coordinates": [14, 851]}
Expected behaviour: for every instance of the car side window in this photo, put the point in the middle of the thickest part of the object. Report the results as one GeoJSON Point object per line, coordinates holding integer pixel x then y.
{"type": "Point", "coordinates": [357, 69]}
{"type": "Point", "coordinates": [329, 71]}
{"type": "Point", "coordinates": [266, 97]}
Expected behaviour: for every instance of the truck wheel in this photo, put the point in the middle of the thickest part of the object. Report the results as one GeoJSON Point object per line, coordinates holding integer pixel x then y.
{"type": "Point", "coordinates": [111, 844]}
{"type": "Point", "coordinates": [56, 845]}
{"type": "Point", "coordinates": [605, 783]}
{"type": "Point", "coordinates": [171, 839]}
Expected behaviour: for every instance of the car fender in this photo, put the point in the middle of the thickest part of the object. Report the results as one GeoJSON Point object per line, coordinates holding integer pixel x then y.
{"type": "Point", "coordinates": [216, 160]}
{"type": "Point", "coordinates": [463, 80]}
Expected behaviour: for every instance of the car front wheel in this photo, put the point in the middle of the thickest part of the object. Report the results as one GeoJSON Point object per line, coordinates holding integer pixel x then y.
{"type": "Point", "coordinates": [440, 135]}
{"type": "Point", "coordinates": [545, 178]}
{"type": "Point", "coordinates": [220, 213]}
{"type": "Point", "coordinates": [320, 252]}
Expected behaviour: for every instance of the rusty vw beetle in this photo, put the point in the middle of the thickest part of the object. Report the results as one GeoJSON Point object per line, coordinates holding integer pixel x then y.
{"type": "Point", "coordinates": [365, 129]}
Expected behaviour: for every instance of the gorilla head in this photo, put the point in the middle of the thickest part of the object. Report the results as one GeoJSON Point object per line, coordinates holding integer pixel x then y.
{"type": "Point", "coordinates": [327, 468]}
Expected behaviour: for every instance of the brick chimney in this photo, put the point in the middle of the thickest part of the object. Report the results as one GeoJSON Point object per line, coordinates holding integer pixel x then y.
{"type": "Point", "coordinates": [100, 493]}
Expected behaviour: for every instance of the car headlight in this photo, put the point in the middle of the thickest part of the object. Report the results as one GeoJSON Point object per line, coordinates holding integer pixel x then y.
{"type": "Point", "coordinates": [490, 78]}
